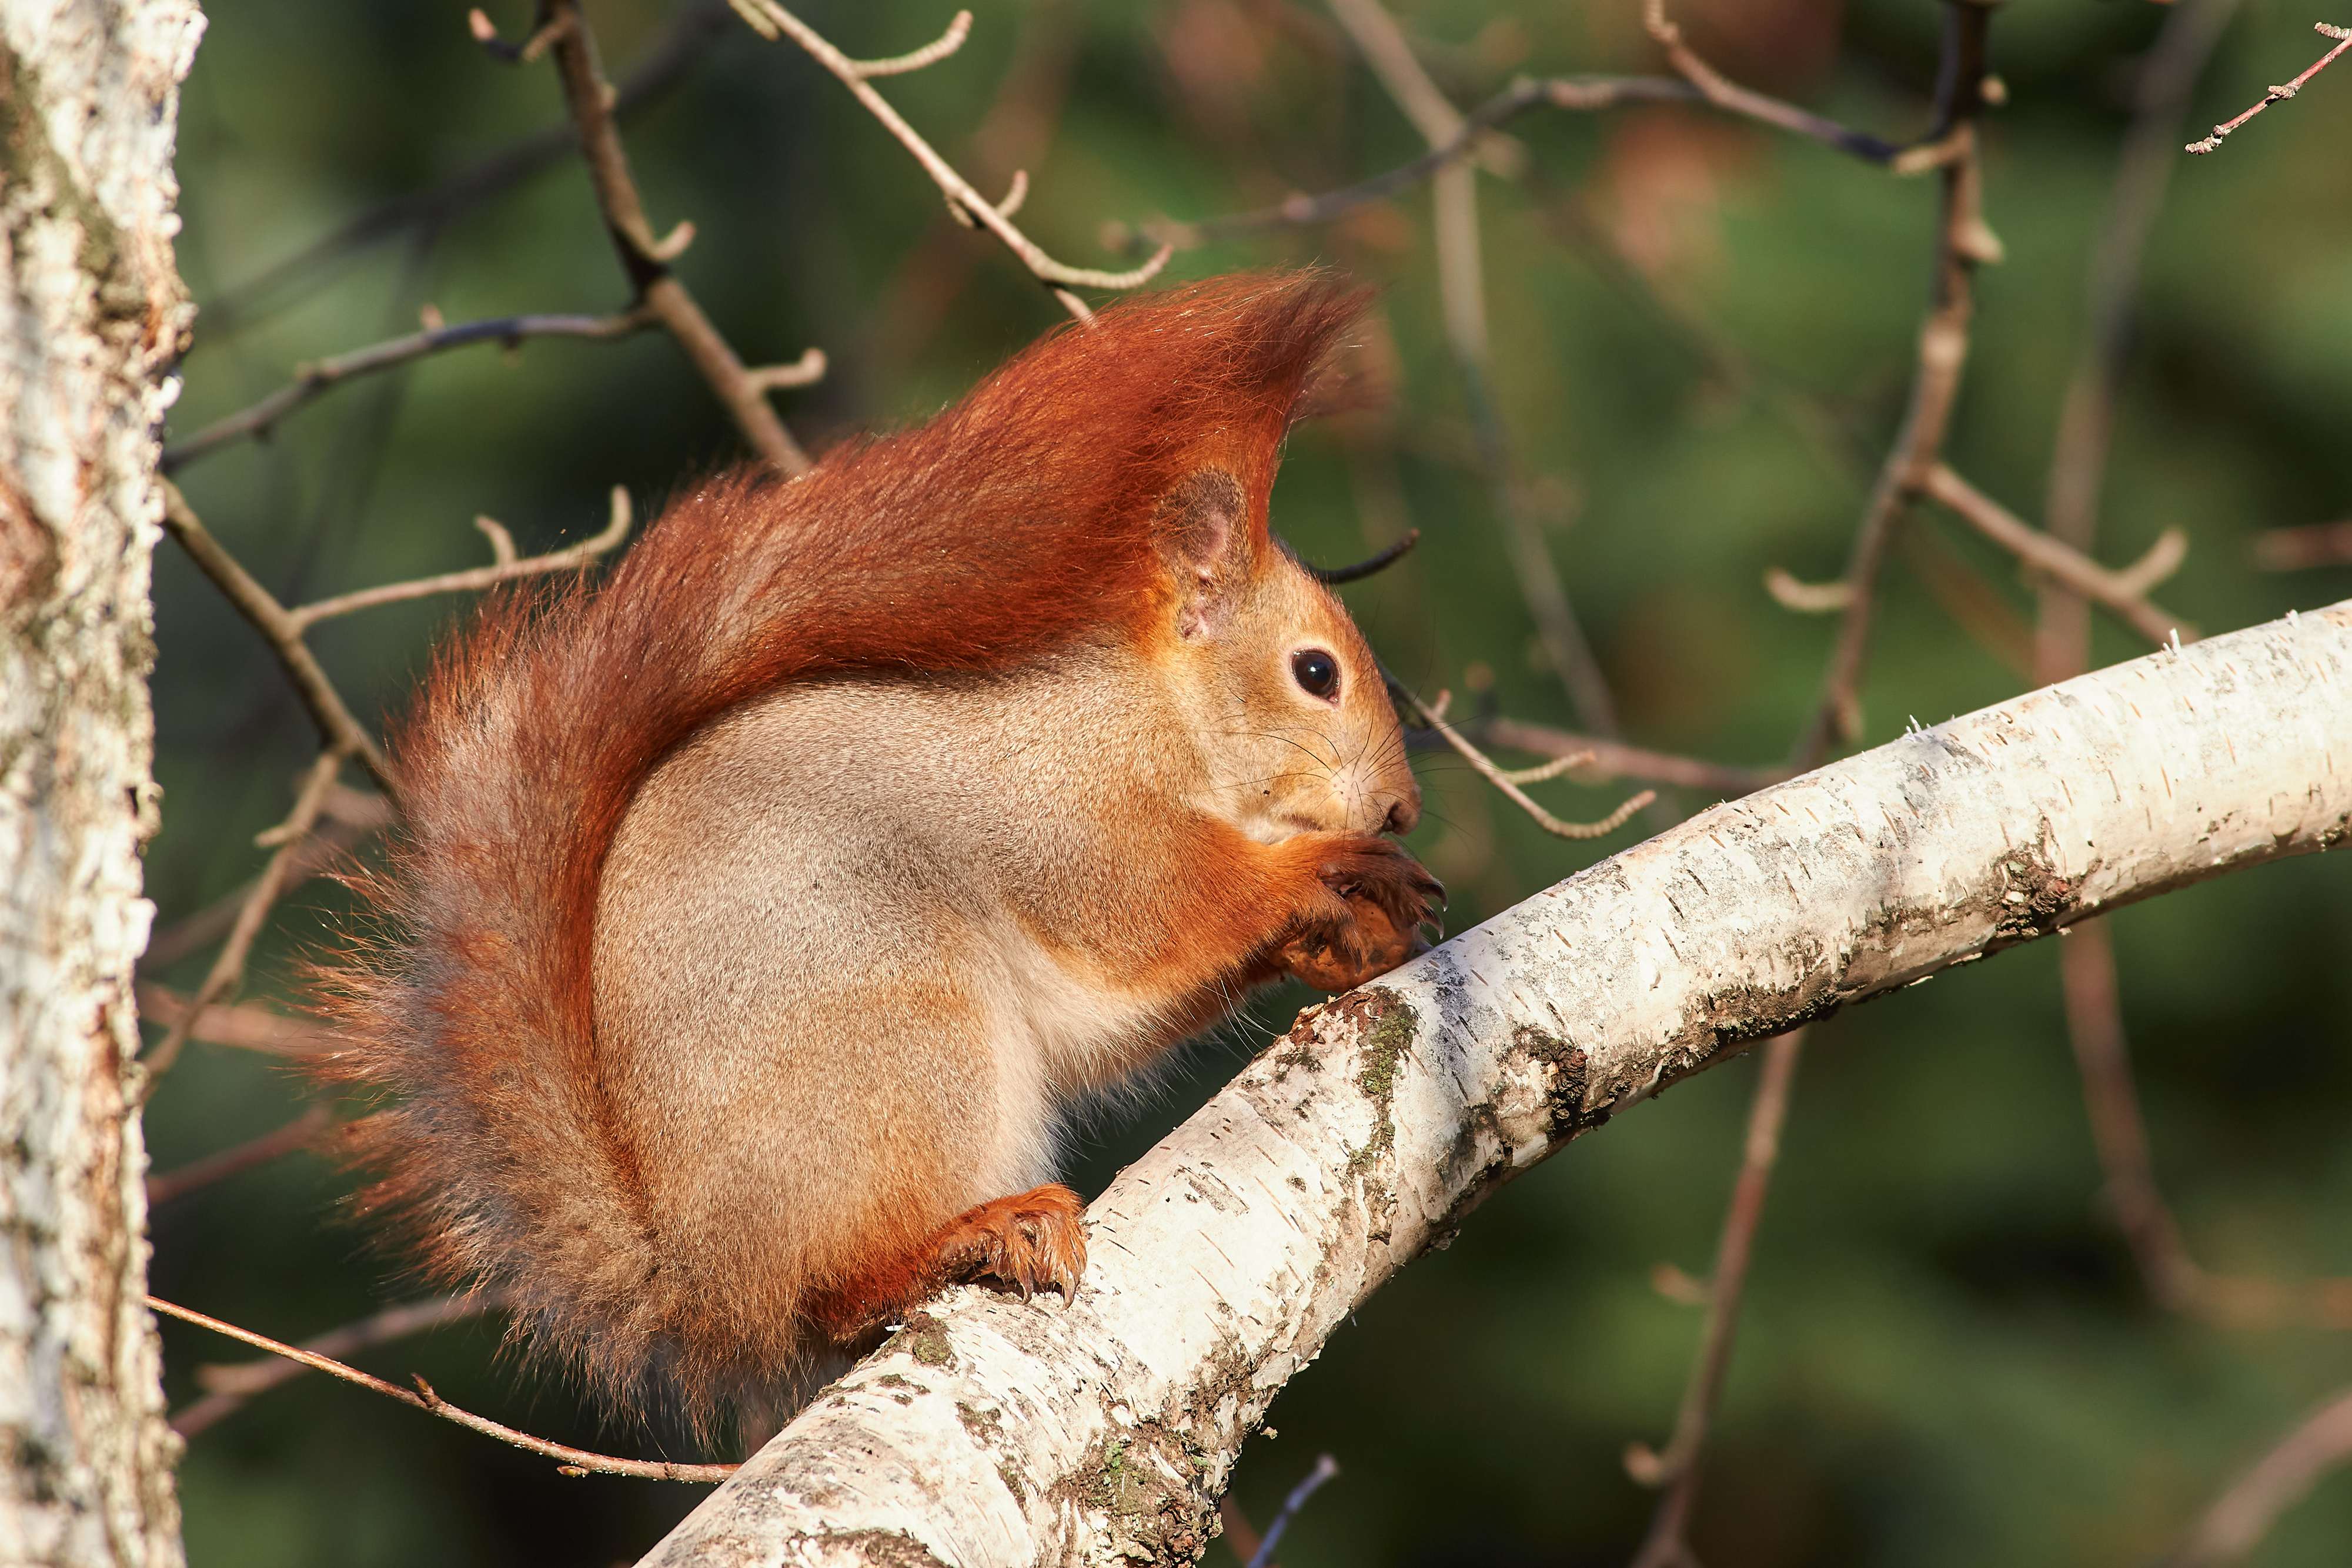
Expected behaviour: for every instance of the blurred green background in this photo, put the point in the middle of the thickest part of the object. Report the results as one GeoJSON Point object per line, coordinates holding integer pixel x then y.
{"type": "Point", "coordinates": [1947, 1357]}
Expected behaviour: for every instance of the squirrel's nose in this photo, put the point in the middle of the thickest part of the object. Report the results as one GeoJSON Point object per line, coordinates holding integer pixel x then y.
{"type": "Point", "coordinates": [1402, 817]}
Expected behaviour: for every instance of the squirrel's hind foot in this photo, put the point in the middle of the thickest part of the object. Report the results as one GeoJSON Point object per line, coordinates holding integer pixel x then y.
{"type": "Point", "coordinates": [1026, 1242]}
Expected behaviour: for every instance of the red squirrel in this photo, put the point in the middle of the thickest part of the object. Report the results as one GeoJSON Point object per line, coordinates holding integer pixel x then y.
{"type": "Point", "coordinates": [760, 916]}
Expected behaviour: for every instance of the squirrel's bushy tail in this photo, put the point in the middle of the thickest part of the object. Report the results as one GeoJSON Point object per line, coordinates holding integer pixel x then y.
{"type": "Point", "coordinates": [1015, 522]}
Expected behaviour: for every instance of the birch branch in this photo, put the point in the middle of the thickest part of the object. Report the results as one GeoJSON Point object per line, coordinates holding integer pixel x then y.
{"type": "Point", "coordinates": [992, 1432]}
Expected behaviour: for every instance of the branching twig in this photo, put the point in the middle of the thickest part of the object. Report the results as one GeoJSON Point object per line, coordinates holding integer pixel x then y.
{"type": "Point", "coordinates": [645, 258]}
{"type": "Point", "coordinates": [315, 379]}
{"type": "Point", "coordinates": [1676, 1466]}
{"type": "Point", "coordinates": [2284, 90]}
{"type": "Point", "coordinates": [1599, 759]}
{"type": "Point", "coordinates": [2119, 592]}
{"type": "Point", "coordinates": [2242, 1515]}
{"type": "Point", "coordinates": [571, 1461]}
{"type": "Point", "coordinates": [1431, 718]}
{"type": "Point", "coordinates": [505, 567]}
{"type": "Point", "coordinates": [771, 21]}
{"type": "Point", "coordinates": [299, 1133]}
{"type": "Point", "coordinates": [227, 1387]}
{"type": "Point", "coordinates": [275, 623]}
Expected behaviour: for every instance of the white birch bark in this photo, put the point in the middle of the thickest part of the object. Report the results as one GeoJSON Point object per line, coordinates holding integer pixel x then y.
{"type": "Point", "coordinates": [989, 1432]}
{"type": "Point", "coordinates": [92, 314]}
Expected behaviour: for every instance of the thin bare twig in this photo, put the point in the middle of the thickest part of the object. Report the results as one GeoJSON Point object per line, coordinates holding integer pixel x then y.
{"type": "Point", "coordinates": [647, 258]}
{"type": "Point", "coordinates": [507, 568]}
{"type": "Point", "coordinates": [1599, 759]}
{"type": "Point", "coordinates": [272, 619]}
{"type": "Point", "coordinates": [299, 1133]}
{"type": "Point", "coordinates": [2119, 593]}
{"type": "Point", "coordinates": [771, 21]}
{"type": "Point", "coordinates": [571, 1461]}
{"type": "Point", "coordinates": [227, 1387]}
{"type": "Point", "coordinates": [1676, 1466]}
{"type": "Point", "coordinates": [1332, 576]}
{"type": "Point", "coordinates": [2239, 1518]}
{"type": "Point", "coordinates": [2284, 90]}
{"type": "Point", "coordinates": [1431, 716]}
{"type": "Point", "coordinates": [314, 381]}
{"type": "Point", "coordinates": [1576, 94]}
{"type": "Point", "coordinates": [228, 967]}
{"type": "Point", "coordinates": [1325, 1469]}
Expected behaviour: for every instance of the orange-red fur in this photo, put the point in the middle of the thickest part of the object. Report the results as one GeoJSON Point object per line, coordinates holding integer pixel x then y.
{"type": "Point", "coordinates": [1017, 522]}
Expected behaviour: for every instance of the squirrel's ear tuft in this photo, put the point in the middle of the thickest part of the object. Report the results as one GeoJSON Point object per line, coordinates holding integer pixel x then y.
{"type": "Point", "coordinates": [1205, 534]}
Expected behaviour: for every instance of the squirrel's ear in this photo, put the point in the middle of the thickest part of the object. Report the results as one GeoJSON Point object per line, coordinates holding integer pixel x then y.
{"type": "Point", "coordinates": [1204, 534]}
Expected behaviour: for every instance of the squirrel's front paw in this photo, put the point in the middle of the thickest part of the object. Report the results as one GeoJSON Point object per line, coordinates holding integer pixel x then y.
{"type": "Point", "coordinates": [1384, 897]}
{"type": "Point", "coordinates": [1027, 1242]}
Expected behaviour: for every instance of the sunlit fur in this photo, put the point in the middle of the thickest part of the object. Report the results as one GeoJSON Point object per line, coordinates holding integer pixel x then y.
{"type": "Point", "coordinates": [760, 914]}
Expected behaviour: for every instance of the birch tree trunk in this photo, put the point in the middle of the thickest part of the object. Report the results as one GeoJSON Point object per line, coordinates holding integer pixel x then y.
{"type": "Point", "coordinates": [988, 1432]}
{"type": "Point", "coordinates": [92, 316]}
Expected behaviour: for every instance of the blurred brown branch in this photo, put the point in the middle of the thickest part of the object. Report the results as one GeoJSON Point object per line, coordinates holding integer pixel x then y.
{"type": "Point", "coordinates": [2239, 1518]}
{"type": "Point", "coordinates": [245, 1026]}
{"type": "Point", "coordinates": [2299, 549]}
{"type": "Point", "coordinates": [2119, 1129]}
{"type": "Point", "coordinates": [299, 1133]}
{"type": "Point", "coordinates": [2078, 455]}
{"type": "Point", "coordinates": [1676, 1466]}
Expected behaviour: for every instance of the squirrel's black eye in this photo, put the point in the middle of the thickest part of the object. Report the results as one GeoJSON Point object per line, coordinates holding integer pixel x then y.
{"type": "Point", "coordinates": [1316, 672]}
